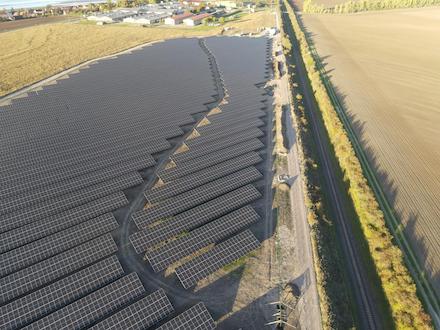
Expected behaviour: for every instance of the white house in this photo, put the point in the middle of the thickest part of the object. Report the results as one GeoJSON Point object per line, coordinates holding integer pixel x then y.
{"type": "Point", "coordinates": [145, 19]}
{"type": "Point", "coordinates": [196, 20]}
{"type": "Point", "coordinates": [177, 19]}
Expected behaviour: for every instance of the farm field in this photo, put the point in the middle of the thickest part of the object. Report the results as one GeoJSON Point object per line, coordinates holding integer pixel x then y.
{"type": "Point", "coordinates": [386, 68]}
{"type": "Point", "coordinates": [24, 23]}
{"type": "Point", "coordinates": [25, 52]}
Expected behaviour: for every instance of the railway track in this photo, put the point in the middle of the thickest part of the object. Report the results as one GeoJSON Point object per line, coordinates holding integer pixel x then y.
{"type": "Point", "coordinates": [368, 314]}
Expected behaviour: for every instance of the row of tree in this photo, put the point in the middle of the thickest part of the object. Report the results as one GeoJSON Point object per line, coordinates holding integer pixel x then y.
{"type": "Point", "coordinates": [397, 283]}
{"type": "Point", "coordinates": [365, 5]}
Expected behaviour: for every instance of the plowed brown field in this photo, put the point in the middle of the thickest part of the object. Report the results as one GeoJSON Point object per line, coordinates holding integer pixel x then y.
{"type": "Point", "coordinates": [386, 67]}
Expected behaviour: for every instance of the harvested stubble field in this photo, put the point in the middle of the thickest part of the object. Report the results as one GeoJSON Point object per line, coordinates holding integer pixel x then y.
{"type": "Point", "coordinates": [386, 67]}
{"type": "Point", "coordinates": [31, 54]}
{"type": "Point", "coordinates": [24, 23]}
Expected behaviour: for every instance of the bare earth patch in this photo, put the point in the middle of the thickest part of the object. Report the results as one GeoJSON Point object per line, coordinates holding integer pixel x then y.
{"type": "Point", "coordinates": [386, 67]}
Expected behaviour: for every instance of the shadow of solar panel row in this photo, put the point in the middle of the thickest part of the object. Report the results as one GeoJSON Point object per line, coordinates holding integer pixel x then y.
{"type": "Point", "coordinates": [87, 310]}
{"type": "Point", "coordinates": [46, 159]}
{"type": "Point", "coordinates": [194, 318]}
{"type": "Point", "coordinates": [139, 315]}
{"type": "Point", "coordinates": [65, 202]}
{"type": "Point", "coordinates": [199, 178]}
{"type": "Point", "coordinates": [221, 255]}
{"type": "Point", "coordinates": [209, 160]}
{"type": "Point", "coordinates": [33, 231]}
{"type": "Point", "coordinates": [39, 303]}
{"type": "Point", "coordinates": [58, 171]}
{"type": "Point", "coordinates": [203, 149]}
{"type": "Point", "coordinates": [215, 231]}
{"type": "Point", "coordinates": [53, 244]}
{"type": "Point", "coordinates": [39, 194]}
{"type": "Point", "coordinates": [194, 217]}
{"type": "Point", "coordinates": [46, 271]}
{"type": "Point", "coordinates": [199, 195]}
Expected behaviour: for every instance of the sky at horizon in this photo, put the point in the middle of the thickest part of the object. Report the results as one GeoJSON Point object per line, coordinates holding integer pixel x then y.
{"type": "Point", "coordinates": [7, 4]}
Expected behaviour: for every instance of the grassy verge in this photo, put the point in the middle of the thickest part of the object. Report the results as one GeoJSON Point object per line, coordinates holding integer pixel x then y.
{"type": "Point", "coordinates": [397, 284]}
{"type": "Point", "coordinates": [335, 301]}
{"type": "Point", "coordinates": [31, 54]}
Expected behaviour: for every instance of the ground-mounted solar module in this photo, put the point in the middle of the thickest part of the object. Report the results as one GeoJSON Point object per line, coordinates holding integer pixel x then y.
{"type": "Point", "coordinates": [60, 182]}
{"type": "Point", "coordinates": [209, 160]}
{"type": "Point", "coordinates": [33, 231]}
{"type": "Point", "coordinates": [52, 162]}
{"type": "Point", "coordinates": [140, 315]}
{"type": "Point", "coordinates": [65, 202]}
{"type": "Point", "coordinates": [221, 255]}
{"type": "Point", "coordinates": [194, 318]}
{"type": "Point", "coordinates": [53, 244]}
{"type": "Point", "coordinates": [58, 294]}
{"type": "Point", "coordinates": [223, 121]}
{"type": "Point", "coordinates": [210, 233]}
{"type": "Point", "coordinates": [87, 310]}
{"type": "Point", "coordinates": [33, 180]}
{"type": "Point", "coordinates": [196, 196]}
{"type": "Point", "coordinates": [153, 142]}
{"type": "Point", "coordinates": [194, 217]}
{"type": "Point", "coordinates": [213, 131]}
{"type": "Point", "coordinates": [201, 150]}
{"type": "Point", "coordinates": [48, 270]}
{"type": "Point", "coordinates": [199, 178]}
{"type": "Point", "coordinates": [36, 195]}
{"type": "Point", "coordinates": [68, 151]}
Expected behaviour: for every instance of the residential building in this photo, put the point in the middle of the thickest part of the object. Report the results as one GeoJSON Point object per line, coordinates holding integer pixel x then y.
{"type": "Point", "coordinates": [177, 19]}
{"type": "Point", "coordinates": [196, 20]}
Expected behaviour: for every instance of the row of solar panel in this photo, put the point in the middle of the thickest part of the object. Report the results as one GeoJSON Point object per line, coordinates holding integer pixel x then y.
{"type": "Point", "coordinates": [49, 225]}
{"type": "Point", "coordinates": [93, 293]}
{"type": "Point", "coordinates": [40, 194]}
{"type": "Point", "coordinates": [90, 150]}
{"type": "Point", "coordinates": [81, 165]}
{"type": "Point", "coordinates": [187, 200]}
{"type": "Point", "coordinates": [56, 205]}
{"type": "Point", "coordinates": [192, 182]}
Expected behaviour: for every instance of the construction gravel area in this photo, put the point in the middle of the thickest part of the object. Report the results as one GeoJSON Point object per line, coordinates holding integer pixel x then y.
{"type": "Point", "coordinates": [386, 69]}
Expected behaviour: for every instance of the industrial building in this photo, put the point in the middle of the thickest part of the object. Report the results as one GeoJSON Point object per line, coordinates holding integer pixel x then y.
{"type": "Point", "coordinates": [111, 17]}
{"type": "Point", "coordinates": [196, 20]}
{"type": "Point", "coordinates": [145, 19]}
{"type": "Point", "coordinates": [177, 19]}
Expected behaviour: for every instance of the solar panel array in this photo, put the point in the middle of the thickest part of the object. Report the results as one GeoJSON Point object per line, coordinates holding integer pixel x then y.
{"type": "Point", "coordinates": [68, 153]}
{"type": "Point", "coordinates": [212, 232]}
{"type": "Point", "coordinates": [197, 216]}
{"type": "Point", "coordinates": [221, 255]}
{"type": "Point", "coordinates": [196, 196]}
{"type": "Point", "coordinates": [87, 310]}
{"type": "Point", "coordinates": [204, 197]}
{"type": "Point", "coordinates": [48, 299]}
{"type": "Point", "coordinates": [194, 318]}
{"type": "Point", "coordinates": [140, 315]}
{"type": "Point", "coordinates": [204, 176]}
